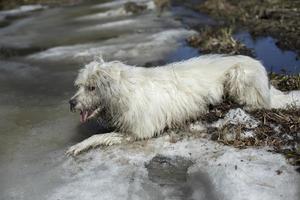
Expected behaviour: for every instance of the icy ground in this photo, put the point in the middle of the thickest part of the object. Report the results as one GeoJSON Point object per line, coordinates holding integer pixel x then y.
{"type": "Point", "coordinates": [216, 172]}
{"type": "Point", "coordinates": [44, 50]}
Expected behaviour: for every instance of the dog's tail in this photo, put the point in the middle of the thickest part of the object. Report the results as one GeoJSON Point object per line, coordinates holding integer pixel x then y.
{"type": "Point", "coordinates": [284, 99]}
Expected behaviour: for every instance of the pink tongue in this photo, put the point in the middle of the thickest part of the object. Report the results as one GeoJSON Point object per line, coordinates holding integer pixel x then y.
{"type": "Point", "coordinates": [83, 116]}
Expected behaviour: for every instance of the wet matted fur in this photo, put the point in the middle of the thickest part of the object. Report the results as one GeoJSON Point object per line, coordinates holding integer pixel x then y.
{"type": "Point", "coordinates": [142, 102]}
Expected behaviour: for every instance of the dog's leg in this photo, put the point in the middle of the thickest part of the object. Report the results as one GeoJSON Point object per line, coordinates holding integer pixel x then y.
{"type": "Point", "coordinates": [249, 85]}
{"type": "Point", "coordinates": [107, 139]}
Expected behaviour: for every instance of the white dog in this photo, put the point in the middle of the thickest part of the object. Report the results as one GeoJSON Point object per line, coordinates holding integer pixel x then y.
{"type": "Point", "coordinates": [142, 102]}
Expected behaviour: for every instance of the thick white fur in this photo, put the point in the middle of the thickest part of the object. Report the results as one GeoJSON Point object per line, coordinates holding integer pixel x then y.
{"type": "Point", "coordinates": [142, 102]}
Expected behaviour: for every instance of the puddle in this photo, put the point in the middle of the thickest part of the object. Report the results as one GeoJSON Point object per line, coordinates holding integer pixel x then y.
{"type": "Point", "coordinates": [168, 171]}
{"type": "Point", "coordinates": [182, 53]}
{"type": "Point", "coordinates": [171, 173]}
{"type": "Point", "coordinates": [273, 58]}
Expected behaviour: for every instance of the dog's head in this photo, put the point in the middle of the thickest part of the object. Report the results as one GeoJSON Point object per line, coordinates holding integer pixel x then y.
{"type": "Point", "coordinates": [90, 83]}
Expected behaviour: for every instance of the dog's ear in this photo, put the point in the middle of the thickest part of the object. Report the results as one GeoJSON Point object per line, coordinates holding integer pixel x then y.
{"type": "Point", "coordinates": [104, 75]}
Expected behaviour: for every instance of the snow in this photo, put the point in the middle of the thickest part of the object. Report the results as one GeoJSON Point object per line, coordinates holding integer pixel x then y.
{"type": "Point", "coordinates": [22, 10]}
{"type": "Point", "coordinates": [119, 3]}
{"type": "Point", "coordinates": [128, 48]}
{"type": "Point", "coordinates": [237, 116]}
{"type": "Point", "coordinates": [104, 15]}
{"type": "Point", "coordinates": [113, 12]}
{"type": "Point", "coordinates": [108, 25]}
{"type": "Point", "coordinates": [119, 172]}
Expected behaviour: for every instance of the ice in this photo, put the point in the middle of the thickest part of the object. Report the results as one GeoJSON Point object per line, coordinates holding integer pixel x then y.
{"type": "Point", "coordinates": [104, 15]}
{"type": "Point", "coordinates": [138, 48]}
{"type": "Point", "coordinates": [118, 3]}
{"type": "Point", "coordinates": [119, 173]}
{"type": "Point", "coordinates": [237, 116]}
{"type": "Point", "coordinates": [111, 4]}
{"type": "Point", "coordinates": [113, 12]}
{"type": "Point", "coordinates": [108, 25]}
{"type": "Point", "coordinates": [22, 10]}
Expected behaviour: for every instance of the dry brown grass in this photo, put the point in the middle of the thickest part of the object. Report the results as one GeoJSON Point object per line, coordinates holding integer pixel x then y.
{"type": "Point", "coordinates": [278, 129]}
{"type": "Point", "coordinates": [218, 40]}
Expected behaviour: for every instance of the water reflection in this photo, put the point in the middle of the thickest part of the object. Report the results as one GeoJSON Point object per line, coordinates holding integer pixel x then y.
{"type": "Point", "coordinates": [273, 58]}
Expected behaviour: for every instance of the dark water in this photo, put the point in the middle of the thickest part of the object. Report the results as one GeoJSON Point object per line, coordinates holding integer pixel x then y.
{"type": "Point", "coordinates": [172, 173]}
{"type": "Point", "coordinates": [273, 58]}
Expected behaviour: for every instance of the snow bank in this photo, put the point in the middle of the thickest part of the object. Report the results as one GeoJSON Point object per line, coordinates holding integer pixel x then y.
{"type": "Point", "coordinates": [113, 11]}
{"type": "Point", "coordinates": [22, 10]}
{"type": "Point", "coordinates": [110, 25]}
{"type": "Point", "coordinates": [135, 49]}
{"type": "Point", "coordinates": [119, 172]}
{"type": "Point", "coordinates": [237, 116]}
{"type": "Point", "coordinates": [118, 3]}
{"type": "Point", "coordinates": [104, 15]}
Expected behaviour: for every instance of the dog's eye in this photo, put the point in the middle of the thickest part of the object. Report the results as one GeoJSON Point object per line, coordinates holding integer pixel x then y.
{"type": "Point", "coordinates": [91, 88]}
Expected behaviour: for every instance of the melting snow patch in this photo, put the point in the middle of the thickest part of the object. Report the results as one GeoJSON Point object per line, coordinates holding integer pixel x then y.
{"type": "Point", "coordinates": [127, 48]}
{"type": "Point", "coordinates": [197, 127]}
{"type": "Point", "coordinates": [118, 3]}
{"type": "Point", "coordinates": [104, 15]}
{"type": "Point", "coordinates": [21, 10]}
{"type": "Point", "coordinates": [237, 116]}
{"type": "Point", "coordinates": [217, 172]}
{"type": "Point", "coordinates": [111, 4]}
{"type": "Point", "coordinates": [108, 25]}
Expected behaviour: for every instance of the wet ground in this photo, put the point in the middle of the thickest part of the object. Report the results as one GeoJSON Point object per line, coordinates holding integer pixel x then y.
{"type": "Point", "coordinates": [266, 50]}
{"type": "Point", "coordinates": [40, 54]}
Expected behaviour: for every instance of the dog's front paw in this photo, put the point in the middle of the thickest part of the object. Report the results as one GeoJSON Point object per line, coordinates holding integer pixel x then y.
{"type": "Point", "coordinates": [94, 141]}
{"type": "Point", "coordinates": [76, 149]}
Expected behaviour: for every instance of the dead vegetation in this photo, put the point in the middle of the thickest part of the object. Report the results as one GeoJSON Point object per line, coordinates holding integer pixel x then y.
{"type": "Point", "coordinates": [285, 82]}
{"type": "Point", "coordinates": [279, 18]}
{"type": "Point", "coordinates": [278, 129]}
{"type": "Point", "coordinates": [134, 8]}
{"type": "Point", "coordinates": [218, 40]}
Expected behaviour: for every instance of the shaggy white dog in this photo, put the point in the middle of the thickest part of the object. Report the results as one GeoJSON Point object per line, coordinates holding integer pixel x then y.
{"type": "Point", "coordinates": [142, 102]}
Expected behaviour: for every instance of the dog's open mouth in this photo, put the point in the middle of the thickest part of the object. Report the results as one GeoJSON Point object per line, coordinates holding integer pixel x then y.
{"type": "Point", "coordinates": [88, 114]}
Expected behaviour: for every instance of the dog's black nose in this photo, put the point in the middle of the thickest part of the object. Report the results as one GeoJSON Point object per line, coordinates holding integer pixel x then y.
{"type": "Point", "coordinates": [72, 103]}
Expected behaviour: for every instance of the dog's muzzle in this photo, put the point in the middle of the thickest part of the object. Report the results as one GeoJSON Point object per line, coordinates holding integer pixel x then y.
{"type": "Point", "coordinates": [72, 103]}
